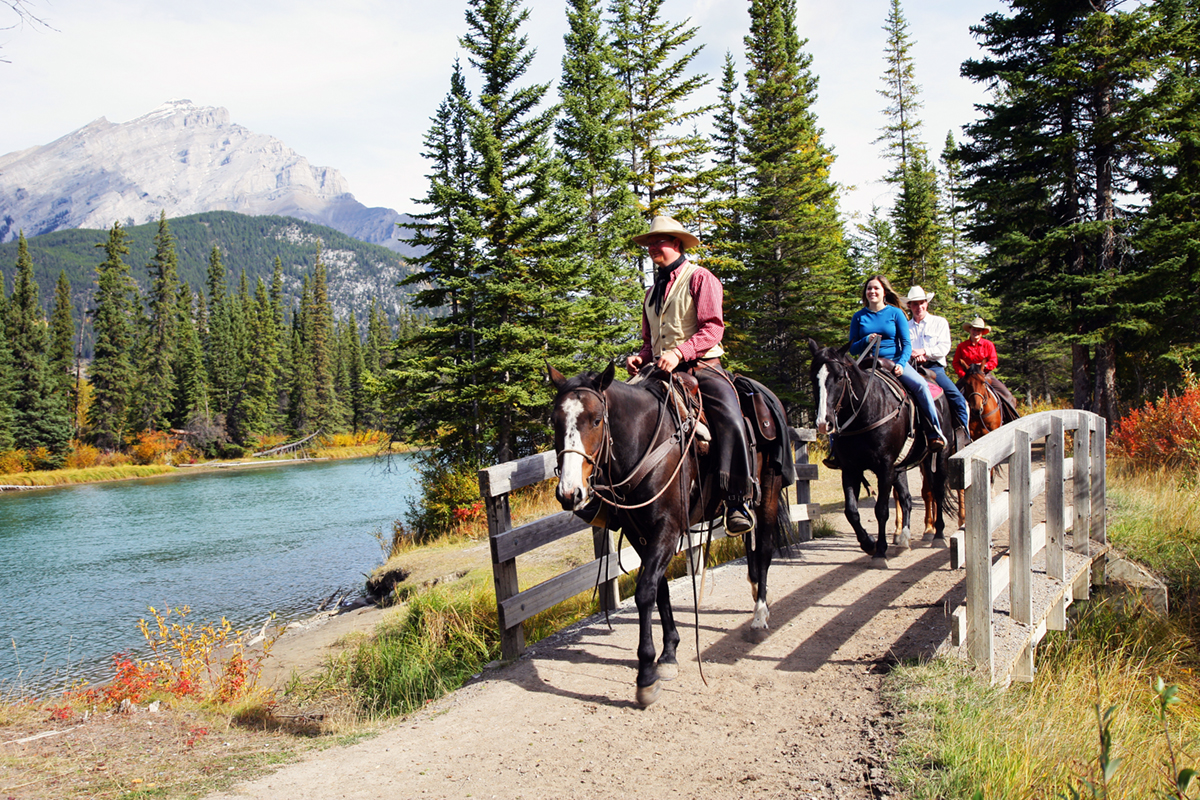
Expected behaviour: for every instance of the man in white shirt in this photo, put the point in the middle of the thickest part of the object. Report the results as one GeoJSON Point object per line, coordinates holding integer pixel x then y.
{"type": "Point", "coordinates": [930, 336]}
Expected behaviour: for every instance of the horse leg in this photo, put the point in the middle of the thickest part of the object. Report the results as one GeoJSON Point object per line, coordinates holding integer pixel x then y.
{"type": "Point", "coordinates": [902, 536]}
{"type": "Point", "coordinates": [938, 500]}
{"type": "Point", "coordinates": [651, 580]}
{"type": "Point", "coordinates": [668, 666]}
{"type": "Point", "coordinates": [903, 509]}
{"type": "Point", "coordinates": [927, 496]}
{"type": "Point", "coordinates": [879, 552]}
{"type": "Point", "coordinates": [758, 560]}
{"type": "Point", "coordinates": [850, 482]}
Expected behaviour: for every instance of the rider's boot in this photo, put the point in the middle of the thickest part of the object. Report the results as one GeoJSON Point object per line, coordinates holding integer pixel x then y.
{"type": "Point", "coordinates": [738, 519]}
{"type": "Point", "coordinates": [933, 436]}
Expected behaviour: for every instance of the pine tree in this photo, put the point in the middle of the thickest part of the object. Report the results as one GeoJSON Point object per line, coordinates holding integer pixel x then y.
{"type": "Point", "coordinates": [40, 406]}
{"type": "Point", "coordinates": [110, 371]}
{"type": "Point", "coordinates": [592, 136]}
{"type": "Point", "coordinates": [220, 345]}
{"type": "Point", "coordinates": [157, 372]}
{"type": "Point", "coordinates": [919, 230]}
{"type": "Point", "coordinates": [61, 355]}
{"type": "Point", "coordinates": [302, 392]}
{"type": "Point", "coordinates": [191, 405]}
{"type": "Point", "coordinates": [793, 285]}
{"type": "Point", "coordinates": [902, 93]}
{"type": "Point", "coordinates": [730, 180]}
{"type": "Point", "coordinates": [650, 60]}
{"type": "Point", "coordinates": [328, 414]}
{"type": "Point", "coordinates": [1048, 165]}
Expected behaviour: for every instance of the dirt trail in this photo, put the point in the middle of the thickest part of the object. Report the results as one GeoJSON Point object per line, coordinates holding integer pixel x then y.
{"type": "Point", "coordinates": [794, 714]}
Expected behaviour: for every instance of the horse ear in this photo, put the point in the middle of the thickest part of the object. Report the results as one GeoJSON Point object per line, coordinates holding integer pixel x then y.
{"type": "Point", "coordinates": [607, 377]}
{"type": "Point", "coordinates": [813, 346]}
{"type": "Point", "coordinates": [844, 349]}
{"type": "Point", "coordinates": [556, 377]}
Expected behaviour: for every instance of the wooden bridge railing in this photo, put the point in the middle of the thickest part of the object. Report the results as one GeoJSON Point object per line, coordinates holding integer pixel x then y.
{"type": "Point", "coordinates": [1013, 600]}
{"type": "Point", "coordinates": [515, 605]}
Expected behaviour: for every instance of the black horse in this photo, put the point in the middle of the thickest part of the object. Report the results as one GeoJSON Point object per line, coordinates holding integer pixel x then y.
{"type": "Point", "coordinates": [873, 427]}
{"type": "Point", "coordinates": [628, 451]}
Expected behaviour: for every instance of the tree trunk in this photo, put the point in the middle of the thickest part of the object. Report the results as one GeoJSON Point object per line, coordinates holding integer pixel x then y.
{"type": "Point", "coordinates": [1080, 382]}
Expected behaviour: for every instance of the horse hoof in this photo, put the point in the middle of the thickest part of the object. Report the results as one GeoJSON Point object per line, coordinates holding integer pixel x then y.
{"type": "Point", "coordinates": [668, 670]}
{"type": "Point", "coordinates": [940, 541]}
{"type": "Point", "coordinates": [648, 695]}
{"type": "Point", "coordinates": [902, 543]}
{"type": "Point", "coordinates": [928, 537]}
{"type": "Point", "coordinates": [879, 562]}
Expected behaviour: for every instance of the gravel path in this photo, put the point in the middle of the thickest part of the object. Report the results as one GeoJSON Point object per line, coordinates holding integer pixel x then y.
{"type": "Point", "coordinates": [792, 714]}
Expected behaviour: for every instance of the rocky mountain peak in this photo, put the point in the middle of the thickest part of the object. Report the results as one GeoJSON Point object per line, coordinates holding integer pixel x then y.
{"type": "Point", "coordinates": [181, 158]}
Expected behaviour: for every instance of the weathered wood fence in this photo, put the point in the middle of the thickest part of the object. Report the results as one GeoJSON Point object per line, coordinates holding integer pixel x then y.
{"type": "Point", "coordinates": [1014, 598]}
{"type": "Point", "coordinates": [514, 605]}
{"type": "Point", "coordinates": [300, 445]}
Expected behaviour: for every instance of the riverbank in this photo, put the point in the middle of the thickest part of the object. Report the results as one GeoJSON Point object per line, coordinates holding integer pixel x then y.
{"type": "Point", "coordinates": [46, 479]}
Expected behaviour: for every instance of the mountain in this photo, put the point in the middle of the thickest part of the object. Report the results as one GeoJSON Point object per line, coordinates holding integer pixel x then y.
{"type": "Point", "coordinates": [357, 271]}
{"type": "Point", "coordinates": [181, 158]}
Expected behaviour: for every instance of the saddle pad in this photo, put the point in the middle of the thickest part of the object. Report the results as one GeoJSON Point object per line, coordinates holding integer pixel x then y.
{"type": "Point", "coordinates": [935, 390]}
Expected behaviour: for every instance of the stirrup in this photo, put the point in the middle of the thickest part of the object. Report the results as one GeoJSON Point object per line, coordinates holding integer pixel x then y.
{"type": "Point", "coordinates": [739, 521]}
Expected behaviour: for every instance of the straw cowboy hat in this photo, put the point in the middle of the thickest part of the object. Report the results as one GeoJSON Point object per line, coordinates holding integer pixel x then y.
{"type": "Point", "coordinates": [977, 323]}
{"type": "Point", "coordinates": [916, 294]}
{"type": "Point", "coordinates": [665, 226]}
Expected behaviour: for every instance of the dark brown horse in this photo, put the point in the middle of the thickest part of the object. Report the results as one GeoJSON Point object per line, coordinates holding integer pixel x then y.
{"type": "Point", "coordinates": [872, 427]}
{"type": "Point", "coordinates": [628, 450]}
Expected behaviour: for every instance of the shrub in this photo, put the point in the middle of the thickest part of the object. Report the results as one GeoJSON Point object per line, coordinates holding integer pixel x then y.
{"type": "Point", "coordinates": [12, 462]}
{"type": "Point", "coordinates": [1163, 433]}
{"type": "Point", "coordinates": [153, 447]}
{"type": "Point", "coordinates": [449, 504]}
{"type": "Point", "coordinates": [82, 456]}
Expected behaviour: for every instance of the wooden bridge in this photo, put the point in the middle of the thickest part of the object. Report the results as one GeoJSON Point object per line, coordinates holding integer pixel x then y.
{"type": "Point", "coordinates": [300, 446]}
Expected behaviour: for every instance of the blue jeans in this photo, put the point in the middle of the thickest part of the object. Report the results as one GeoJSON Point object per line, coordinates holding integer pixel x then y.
{"type": "Point", "coordinates": [919, 389]}
{"type": "Point", "coordinates": [958, 403]}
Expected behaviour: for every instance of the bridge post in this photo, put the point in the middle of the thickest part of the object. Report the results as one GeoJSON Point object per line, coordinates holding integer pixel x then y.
{"type": "Point", "coordinates": [1081, 529]}
{"type": "Point", "coordinates": [979, 566]}
{"type": "Point", "coordinates": [1056, 519]}
{"type": "Point", "coordinates": [1020, 529]}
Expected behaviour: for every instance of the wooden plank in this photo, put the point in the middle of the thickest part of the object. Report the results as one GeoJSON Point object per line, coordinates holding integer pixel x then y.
{"type": "Point", "coordinates": [1056, 501]}
{"type": "Point", "coordinates": [979, 562]}
{"type": "Point", "coordinates": [1098, 531]}
{"type": "Point", "coordinates": [804, 512]}
{"type": "Point", "coordinates": [1081, 529]}
{"type": "Point", "coordinates": [806, 472]}
{"type": "Point", "coordinates": [504, 478]}
{"type": "Point", "coordinates": [957, 554]}
{"type": "Point", "coordinates": [532, 535]}
{"type": "Point", "coordinates": [997, 446]}
{"type": "Point", "coordinates": [804, 434]}
{"type": "Point", "coordinates": [1020, 526]}
{"type": "Point", "coordinates": [522, 606]}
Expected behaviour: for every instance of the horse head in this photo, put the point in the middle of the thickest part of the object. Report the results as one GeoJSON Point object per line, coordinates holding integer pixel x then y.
{"type": "Point", "coordinates": [581, 432]}
{"type": "Point", "coordinates": [829, 369]}
{"type": "Point", "coordinates": [975, 388]}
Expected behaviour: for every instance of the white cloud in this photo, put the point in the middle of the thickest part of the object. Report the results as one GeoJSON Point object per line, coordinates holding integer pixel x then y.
{"type": "Point", "coordinates": [352, 85]}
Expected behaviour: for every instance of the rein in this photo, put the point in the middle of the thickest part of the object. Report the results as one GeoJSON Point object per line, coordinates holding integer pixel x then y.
{"type": "Point", "coordinates": [649, 460]}
{"type": "Point", "coordinates": [846, 384]}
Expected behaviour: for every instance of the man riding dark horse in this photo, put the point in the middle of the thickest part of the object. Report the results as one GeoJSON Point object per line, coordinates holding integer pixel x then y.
{"type": "Point", "coordinates": [682, 328]}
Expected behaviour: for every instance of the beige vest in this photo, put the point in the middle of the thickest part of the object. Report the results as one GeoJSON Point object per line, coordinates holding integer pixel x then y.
{"type": "Point", "coordinates": [677, 323]}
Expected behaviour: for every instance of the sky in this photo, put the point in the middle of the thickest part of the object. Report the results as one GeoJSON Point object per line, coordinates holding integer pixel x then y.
{"type": "Point", "coordinates": [352, 85]}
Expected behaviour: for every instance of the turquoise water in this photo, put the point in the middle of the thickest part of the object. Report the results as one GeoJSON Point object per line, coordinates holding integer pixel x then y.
{"type": "Point", "coordinates": [79, 566]}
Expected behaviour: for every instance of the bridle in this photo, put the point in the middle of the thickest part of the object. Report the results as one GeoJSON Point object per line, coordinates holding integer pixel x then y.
{"type": "Point", "coordinates": [845, 385]}
{"type": "Point", "coordinates": [601, 460]}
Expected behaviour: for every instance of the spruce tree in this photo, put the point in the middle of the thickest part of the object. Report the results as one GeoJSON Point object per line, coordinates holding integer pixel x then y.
{"type": "Point", "coordinates": [328, 414]}
{"type": "Point", "coordinates": [793, 285]}
{"type": "Point", "coordinates": [40, 406]}
{"type": "Point", "coordinates": [157, 372]}
{"type": "Point", "coordinates": [592, 136]}
{"type": "Point", "coordinates": [1049, 164]}
{"type": "Point", "coordinates": [900, 134]}
{"type": "Point", "coordinates": [651, 59]}
{"type": "Point", "coordinates": [191, 404]}
{"type": "Point", "coordinates": [111, 372]}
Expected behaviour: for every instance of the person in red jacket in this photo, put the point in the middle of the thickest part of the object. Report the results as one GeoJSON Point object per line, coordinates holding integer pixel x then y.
{"type": "Point", "coordinates": [978, 350]}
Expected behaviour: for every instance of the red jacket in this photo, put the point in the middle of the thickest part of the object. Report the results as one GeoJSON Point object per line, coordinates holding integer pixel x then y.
{"type": "Point", "coordinates": [967, 354]}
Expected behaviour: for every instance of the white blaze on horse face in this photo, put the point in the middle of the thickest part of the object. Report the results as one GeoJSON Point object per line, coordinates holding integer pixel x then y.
{"type": "Point", "coordinates": [822, 399]}
{"type": "Point", "coordinates": [570, 476]}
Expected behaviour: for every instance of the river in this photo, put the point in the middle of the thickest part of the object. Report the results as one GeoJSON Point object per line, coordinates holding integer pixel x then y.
{"type": "Point", "coordinates": [80, 565]}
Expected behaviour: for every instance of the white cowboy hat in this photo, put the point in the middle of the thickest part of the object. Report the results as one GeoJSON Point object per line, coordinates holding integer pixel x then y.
{"type": "Point", "coordinates": [916, 294]}
{"type": "Point", "coordinates": [977, 323]}
{"type": "Point", "coordinates": [665, 226]}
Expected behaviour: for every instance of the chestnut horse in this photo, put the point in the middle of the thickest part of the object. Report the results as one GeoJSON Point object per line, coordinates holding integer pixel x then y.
{"type": "Point", "coordinates": [629, 451]}
{"type": "Point", "coordinates": [988, 412]}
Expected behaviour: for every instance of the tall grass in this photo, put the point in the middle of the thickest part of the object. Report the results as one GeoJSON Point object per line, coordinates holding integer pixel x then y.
{"type": "Point", "coordinates": [1044, 739]}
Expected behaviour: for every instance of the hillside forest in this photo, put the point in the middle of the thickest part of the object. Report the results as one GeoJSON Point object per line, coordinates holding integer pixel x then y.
{"type": "Point", "coordinates": [1066, 217]}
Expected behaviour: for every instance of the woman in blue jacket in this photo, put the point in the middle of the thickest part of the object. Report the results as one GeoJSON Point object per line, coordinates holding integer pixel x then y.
{"type": "Point", "coordinates": [881, 317]}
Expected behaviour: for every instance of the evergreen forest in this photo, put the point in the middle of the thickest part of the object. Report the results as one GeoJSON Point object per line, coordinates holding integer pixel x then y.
{"type": "Point", "coordinates": [1065, 215]}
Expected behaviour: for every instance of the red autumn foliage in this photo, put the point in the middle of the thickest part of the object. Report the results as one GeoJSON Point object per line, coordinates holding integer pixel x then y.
{"type": "Point", "coordinates": [1162, 433]}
